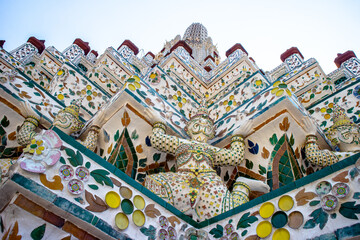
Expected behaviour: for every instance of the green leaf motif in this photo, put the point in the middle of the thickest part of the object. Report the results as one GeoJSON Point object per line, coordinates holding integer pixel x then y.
{"type": "Point", "coordinates": [356, 195]}
{"type": "Point", "coordinates": [74, 159]}
{"type": "Point", "coordinates": [93, 186]}
{"type": "Point", "coordinates": [309, 224]}
{"type": "Point", "coordinates": [117, 135]}
{"type": "Point", "coordinates": [100, 176]}
{"type": "Point", "coordinates": [134, 135]}
{"type": "Point", "coordinates": [246, 220]}
{"type": "Point", "coordinates": [350, 110]}
{"type": "Point", "coordinates": [62, 160]}
{"type": "Point", "coordinates": [244, 233]}
{"type": "Point", "coordinates": [79, 157]}
{"type": "Point", "coordinates": [217, 232]}
{"type": "Point", "coordinates": [173, 87]}
{"type": "Point", "coordinates": [29, 84]}
{"type": "Point", "coordinates": [8, 152]}
{"type": "Point", "coordinates": [87, 165]}
{"type": "Point", "coordinates": [318, 217]}
{"type": "Point", "coordinates": [353, 173]}
{"type": "Point", "coordinates": [349, 210]}
{"type": "Point", "coordinates": [273, 139]}
{"type": "Point", "coordinates": [141, 177]}
{"type": "Point", "coordinates": [142, 162]}
{"type": "Point", "coordinates": [262, 170]}
{"type": "Point", "coordinates": [2, 132]}
{"type": "Point", "coordinates": [182, 112]}
{"type": "Point", "coordinates": [314, 203]}
{"type": "Point", "coordinates": [5, 122]}
{"type": "Point", "coordinates": [333, 215]}
{"type": "Point", "coordinates": [38, 233]}
{"type": "Point", "coordinates": [150, 232]}
{"type": "Point", "coordinates": [249, 164]}
{"type": "Point", "coordinates": [323, 124]}
{"type": "Point", "coordinates": [156, 157]}
{"type": "Point", "coordinates": [292, 140]}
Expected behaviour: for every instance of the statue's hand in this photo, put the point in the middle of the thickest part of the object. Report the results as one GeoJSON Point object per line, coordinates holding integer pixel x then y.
{"type": "Point", "coordinates": [245, 129]}
{"type": "Point", "coordinates": [27, 111]}
{"type": "Point", "coordinates": [309, 126]}
{"type": "Point", "coordinates": [153, 116]}
{"type": "Point", "coordinates": [100, 119]}
{"type": "Point", "coordinates": [255, 185]}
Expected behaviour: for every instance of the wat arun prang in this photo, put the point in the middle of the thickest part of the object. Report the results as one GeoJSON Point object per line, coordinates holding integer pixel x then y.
{"type": "Point", "coordinates": [96, 146]}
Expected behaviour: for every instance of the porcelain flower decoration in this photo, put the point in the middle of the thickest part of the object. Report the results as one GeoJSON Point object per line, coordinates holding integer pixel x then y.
{"type": "Point", "coordinates": [43, 150]}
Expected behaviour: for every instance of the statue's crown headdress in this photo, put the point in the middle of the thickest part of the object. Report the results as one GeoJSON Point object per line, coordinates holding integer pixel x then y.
{"type": "Point", "coordinates": [74, 107]}
{"type": "Point", "coordinates": [340, 118]}
{"type": "Point", "coordinates": [202, 112]}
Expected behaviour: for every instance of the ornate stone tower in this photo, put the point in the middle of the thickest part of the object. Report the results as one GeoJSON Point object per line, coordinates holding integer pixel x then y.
{"type": "Point", "coordinates": [196, 36]}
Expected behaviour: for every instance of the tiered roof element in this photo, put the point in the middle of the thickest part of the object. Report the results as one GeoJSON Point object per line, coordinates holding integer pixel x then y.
{"type": "Point", "coordinates": [344, 57]}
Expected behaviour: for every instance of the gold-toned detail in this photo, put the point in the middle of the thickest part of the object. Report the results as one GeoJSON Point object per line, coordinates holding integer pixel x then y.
{"type": "Point", "coordinates": [33, 120]}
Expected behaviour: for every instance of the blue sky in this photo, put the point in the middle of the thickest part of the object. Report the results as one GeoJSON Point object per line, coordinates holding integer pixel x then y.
{"type": "Point", "coordinates": [320, 29]}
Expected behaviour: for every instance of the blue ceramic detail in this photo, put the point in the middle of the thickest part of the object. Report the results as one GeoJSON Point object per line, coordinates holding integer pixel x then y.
{"type": "Point", "coordinates": [253, 147]}
{"type": "Point", "coordinates": [73, 209]}
{"type": "Point", "coordinates": [34, 187]}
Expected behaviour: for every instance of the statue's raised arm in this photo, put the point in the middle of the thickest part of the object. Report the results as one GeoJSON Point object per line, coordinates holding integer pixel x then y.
{"type": "Point", "coordinates": [161, 141]}
{"type": "Point", "coordinates": [235, 155]}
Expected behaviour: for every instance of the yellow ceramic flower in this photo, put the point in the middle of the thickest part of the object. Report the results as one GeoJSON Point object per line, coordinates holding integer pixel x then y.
{"type": "Point", "coordinates": [181, 100]}
{"type": "Point", "coordinates": [152, 75]}
{"type": "Point", "coordinates": [35, 146]}
{"type": "Point", "coordinates": [60, 96]}
{"type": "Point", "coordinates": [60, 72]}
{"type": "Point", "coordinates": [280, 88]}
{"type": "Point", "coordinates": [133, 83]}
{"type": "Point", "coordinates": [229, 102]}
{"type": "Point", "coordinates": [43, 150]}
{"type": "Point", "coordinates": [279, 220]}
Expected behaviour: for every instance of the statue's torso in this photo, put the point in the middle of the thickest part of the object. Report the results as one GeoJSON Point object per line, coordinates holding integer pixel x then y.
{"type": "Point", "coordinates": [194, 156]}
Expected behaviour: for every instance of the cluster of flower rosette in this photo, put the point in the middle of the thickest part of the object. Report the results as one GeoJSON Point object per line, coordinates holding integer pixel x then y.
{"type": "Point", "coordinates": [43, 151]}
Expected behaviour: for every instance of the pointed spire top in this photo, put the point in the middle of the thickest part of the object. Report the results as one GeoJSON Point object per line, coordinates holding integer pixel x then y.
{"type": "Point", "coordinates": [196, 32]}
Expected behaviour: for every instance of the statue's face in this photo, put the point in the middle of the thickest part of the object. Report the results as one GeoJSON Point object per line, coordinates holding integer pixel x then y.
{"type": "Point", "coordinates": [347, 134]}
{"type": "Point", "coordinates": [347, 137]}
{"type": "Point", "coordinates": [200, 129]}
{"type": "Point", "coordinates": [67, 122]}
